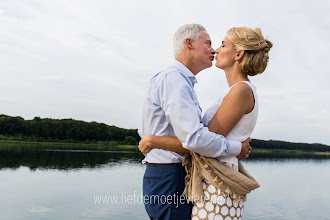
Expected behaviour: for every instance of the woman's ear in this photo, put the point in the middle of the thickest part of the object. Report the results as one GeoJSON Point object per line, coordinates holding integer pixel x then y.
{"type": "Point", "coordinates": [239, 55]}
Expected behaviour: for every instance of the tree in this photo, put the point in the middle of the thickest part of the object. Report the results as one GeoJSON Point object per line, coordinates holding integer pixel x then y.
{"type": "Point", "coordinates": [130, 140]}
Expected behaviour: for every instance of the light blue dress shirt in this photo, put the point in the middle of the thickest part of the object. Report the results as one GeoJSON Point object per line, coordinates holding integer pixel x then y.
{"type": "Point", "coordinates": [171, 108]}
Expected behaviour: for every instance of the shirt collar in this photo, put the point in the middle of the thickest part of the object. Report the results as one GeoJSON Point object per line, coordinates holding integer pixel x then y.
{"type": "Point", "coordinates": [183, 69]}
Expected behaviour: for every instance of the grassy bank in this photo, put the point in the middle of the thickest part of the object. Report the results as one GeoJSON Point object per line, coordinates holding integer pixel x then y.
{"type": "Point", "coordinates": [101, 146]}
{"type": "Point", "coordinates": [110, 146]}
{"type": "Point", "coordinates": [287, 152]}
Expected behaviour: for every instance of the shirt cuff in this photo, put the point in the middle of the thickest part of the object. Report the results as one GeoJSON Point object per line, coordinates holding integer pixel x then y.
{"type": "Point", "coordinates": [234, 148]}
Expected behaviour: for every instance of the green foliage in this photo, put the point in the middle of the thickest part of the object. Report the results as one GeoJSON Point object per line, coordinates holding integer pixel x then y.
{"type": "Point", "coordinates": [74, 131]}
{"type": "Point", "coordinates": [63, 130]}
{"type": "Point", "coordinates": [130, 140]}
{"type": "Point", "coordinates": [261, 144]}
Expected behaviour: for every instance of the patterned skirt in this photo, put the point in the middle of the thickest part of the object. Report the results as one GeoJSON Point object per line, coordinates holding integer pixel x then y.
{"type": "Point", "coordinates": [217, 205]}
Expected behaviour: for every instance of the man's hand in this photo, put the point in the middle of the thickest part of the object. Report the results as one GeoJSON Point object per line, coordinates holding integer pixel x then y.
{"type": "Point", "coordinates": [145, 144]}
{"type": "Point", "coordinates": [246, 149]}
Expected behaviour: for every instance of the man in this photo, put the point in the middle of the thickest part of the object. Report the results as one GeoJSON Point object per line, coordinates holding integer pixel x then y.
{"type": "Point", "coordinates": [172, 109]}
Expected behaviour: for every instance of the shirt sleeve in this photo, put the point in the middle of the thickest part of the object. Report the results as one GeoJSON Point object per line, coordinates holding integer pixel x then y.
{"type": "Point", "coordinates": [176, 96]}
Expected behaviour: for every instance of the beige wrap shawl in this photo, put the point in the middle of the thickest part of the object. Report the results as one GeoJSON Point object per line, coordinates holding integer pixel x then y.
{"type": "Point", "coordinates": [235, 183]}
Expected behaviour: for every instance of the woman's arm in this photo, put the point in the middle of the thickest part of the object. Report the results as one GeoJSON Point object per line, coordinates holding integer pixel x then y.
{"type": "Point", "coordinates": [163, 142]}
{"type": "Point", "coordinates": [238, 101]}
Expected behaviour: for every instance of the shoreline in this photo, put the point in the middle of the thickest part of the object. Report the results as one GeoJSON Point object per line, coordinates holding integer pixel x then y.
{"type": "Point", "coordinates": [106, 146]}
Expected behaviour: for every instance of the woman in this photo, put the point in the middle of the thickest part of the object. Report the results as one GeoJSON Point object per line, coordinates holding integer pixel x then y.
{"type": "Point", "coordinates": [243, 53]}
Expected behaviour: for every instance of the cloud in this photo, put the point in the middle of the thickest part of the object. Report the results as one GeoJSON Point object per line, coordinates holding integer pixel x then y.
{"type": "Point", "coordinates": [40, 209]}
{"type": "Point", "coordinates": [51, 78]}
{"type": "Point", "coordinates": [93, 60]}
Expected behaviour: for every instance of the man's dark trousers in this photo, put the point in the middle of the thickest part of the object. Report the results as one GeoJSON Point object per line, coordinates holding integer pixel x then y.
{"type": "Point", "coordinates": [163, 186]}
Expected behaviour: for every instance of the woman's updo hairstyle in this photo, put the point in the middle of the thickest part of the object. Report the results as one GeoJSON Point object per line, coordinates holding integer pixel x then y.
{"type": "Point", "coordinates": [255, 46]}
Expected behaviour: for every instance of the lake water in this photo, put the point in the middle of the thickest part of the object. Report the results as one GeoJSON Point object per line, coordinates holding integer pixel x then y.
{"type": "Point", "coordinates": [71, 185]}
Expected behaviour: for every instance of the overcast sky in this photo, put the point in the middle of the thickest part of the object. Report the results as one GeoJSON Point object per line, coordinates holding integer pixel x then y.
{"type": "Point", "coordinates": [92, 60]}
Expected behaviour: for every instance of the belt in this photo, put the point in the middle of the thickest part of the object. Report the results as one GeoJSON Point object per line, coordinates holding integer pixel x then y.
{"type": "Point", "coordinates": [167, 164]}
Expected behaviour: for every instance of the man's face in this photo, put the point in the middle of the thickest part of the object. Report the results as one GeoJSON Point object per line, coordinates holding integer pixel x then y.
{"type": "Point", "coordinates": [203, 52]}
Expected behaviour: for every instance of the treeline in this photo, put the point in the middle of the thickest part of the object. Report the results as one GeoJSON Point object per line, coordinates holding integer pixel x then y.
{"type": "Point", "coordinates": [69, 130]}
{"type": "Point", "coordinates": [283, 145]}
{"type": "Point", "coordinates": [65, 130]}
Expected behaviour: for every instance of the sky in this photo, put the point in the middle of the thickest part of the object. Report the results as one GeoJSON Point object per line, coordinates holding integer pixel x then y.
{"type": "Point", "coordinates": [92, 60]}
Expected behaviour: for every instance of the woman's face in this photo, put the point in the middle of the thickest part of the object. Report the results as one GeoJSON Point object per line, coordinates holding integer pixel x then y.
{"type": "Point", "coordinates": [225, 54]}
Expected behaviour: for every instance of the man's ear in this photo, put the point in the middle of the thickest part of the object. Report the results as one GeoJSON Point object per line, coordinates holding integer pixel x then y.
{"type": "Point", "coordinates": [189, 43]}
{"type": "Point", "coordinates": [239, 55]}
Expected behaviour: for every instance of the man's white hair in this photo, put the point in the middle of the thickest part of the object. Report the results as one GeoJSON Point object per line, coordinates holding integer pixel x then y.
{"type": "Point", "coordinates": [191, 31]}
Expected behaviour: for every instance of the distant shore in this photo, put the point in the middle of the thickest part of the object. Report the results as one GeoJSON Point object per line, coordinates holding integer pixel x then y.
{"type": "Point", "coordinates": [104, 146]}
{"type": "Point", "coordinates": [75, 134]}
{"type": "Point", "coordinates": [288, 151]}
{"type": "Point", "coordinates": [100, 146]}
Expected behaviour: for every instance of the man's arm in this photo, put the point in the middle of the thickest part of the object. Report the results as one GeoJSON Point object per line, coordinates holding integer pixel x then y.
{"type": "Point", "coordinates": [173, 144]}
{"type": "Point", "coordinates": [176, 97]}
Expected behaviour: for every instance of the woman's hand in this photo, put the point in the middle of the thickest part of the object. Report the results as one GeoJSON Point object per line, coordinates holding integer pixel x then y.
{"type": "Point", "coordinates": [145, 145]}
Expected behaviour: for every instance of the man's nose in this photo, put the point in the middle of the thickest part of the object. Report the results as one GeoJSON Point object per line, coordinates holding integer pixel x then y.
{"type": "Point", "coordinates": [212, 51]}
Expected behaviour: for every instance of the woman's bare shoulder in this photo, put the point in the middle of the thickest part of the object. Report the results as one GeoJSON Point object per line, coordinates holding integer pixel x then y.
{"type": "Point", "coordinates": [241, 90]}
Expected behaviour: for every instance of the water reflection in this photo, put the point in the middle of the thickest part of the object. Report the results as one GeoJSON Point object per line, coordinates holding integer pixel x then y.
{"type": "Point", "coordinates": [56, 184]}
{"type": "Point", "coordinates": [63, 160]}
{"type": "Point", "coordinates": [35, 157]}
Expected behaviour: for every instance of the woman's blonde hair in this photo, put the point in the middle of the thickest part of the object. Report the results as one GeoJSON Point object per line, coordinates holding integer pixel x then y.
{"type": "Point", "coordinates": [255, 46]}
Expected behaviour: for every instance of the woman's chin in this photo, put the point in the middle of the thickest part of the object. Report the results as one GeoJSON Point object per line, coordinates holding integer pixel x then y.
{"type": "Point", "coordinates": [218, 66]}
